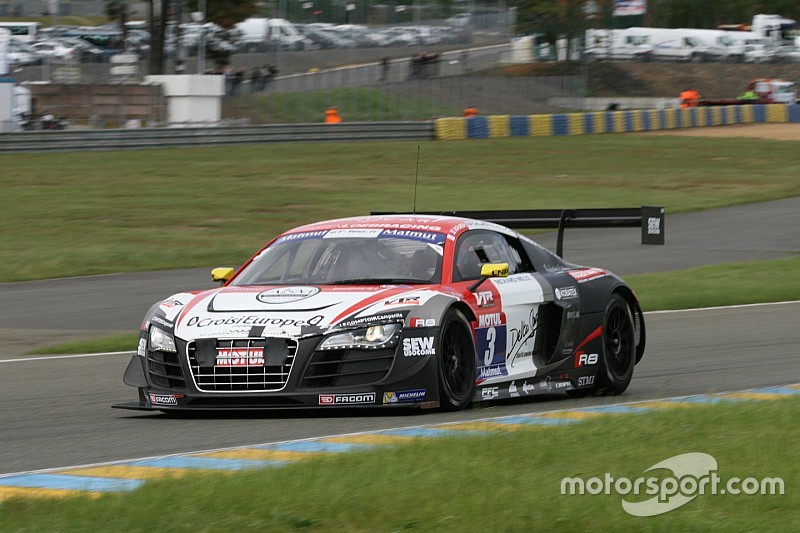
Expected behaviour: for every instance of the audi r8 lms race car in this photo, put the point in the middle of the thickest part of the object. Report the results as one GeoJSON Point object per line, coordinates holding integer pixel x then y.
{"type": "Point", "coordinates": [389, 310]}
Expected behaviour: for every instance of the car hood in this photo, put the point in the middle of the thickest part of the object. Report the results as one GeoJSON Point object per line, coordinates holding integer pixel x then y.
{"type": "Point", "coordinates": [287, 311]}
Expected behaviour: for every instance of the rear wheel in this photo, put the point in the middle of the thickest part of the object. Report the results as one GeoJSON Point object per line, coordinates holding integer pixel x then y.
{"type": "Point", "coordinates": [456, 357]}
{"type": "Point", "coordinates": [619, 348]}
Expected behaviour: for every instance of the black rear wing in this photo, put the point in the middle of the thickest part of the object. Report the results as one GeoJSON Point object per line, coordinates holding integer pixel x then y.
{"type": "Point", "coordinates": [649, 218]}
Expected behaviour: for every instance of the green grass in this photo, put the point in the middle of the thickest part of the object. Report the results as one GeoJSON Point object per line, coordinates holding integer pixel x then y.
{"type": "Point", "coordinates": [356, 104]}
{"type": "Point", "coordinates": [71, 214]}
{"type": "Point", "coordinates": [504, 482]}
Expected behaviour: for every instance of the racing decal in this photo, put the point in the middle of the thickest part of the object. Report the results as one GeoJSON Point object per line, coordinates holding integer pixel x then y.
{"type": "Point", "coordinates": [382, 318]}
{"type": "Point", "coordinates": [418, 346]}
{"type": "Point", "coordinates": [424, 236]}
{"type": "Point", "coordinates": [363, 233]}
{"type": "Point", "coordinates": [493, 371]}
{"type": "Point", "coordinates": [254, 320]}
{"type": "Point", "coordinates": [490, 319]}
{"type": "Point", "coordinates": [285, 295]}
{"type": "Point", "coordinates": [516, 278]}
{"type": "Point", "coordinates": [423, 323]}
{"type": "Point", "coordinates": [581, 357]}
{"type": "Point", "coordinates": [403, 300]}
{"type": "Point", "coordinates": [490, 393]}
{"type": "Point", "coordinates": [585, 381]}
{"type": "Point", "coordinates": [240, 357]}
{"type": "Point", "coordinates": [347, 399]}
{"type": "Point", "coordinates": [490, 345]}
{"type": "Point", "coordinates": [300, 236]}
{"type": "Point", "coordinates": [587, 274]}
{"type": "Point", "coordinates": [141, 350]}
{"type": "Point", "coordinates": [406, 396]}
{"type": "Point", "coordinates": [527, 388]}
{"type": "Point", "coordinates": [566, 293]}
{"type": "Point", "coordinates": [161, 322]}
{"type": "Point", "coordinates": [165, 399]}
{"type": "Point", "coordinates": [521, 339]}
{"type": "Point", "coordinates": [484, 299]}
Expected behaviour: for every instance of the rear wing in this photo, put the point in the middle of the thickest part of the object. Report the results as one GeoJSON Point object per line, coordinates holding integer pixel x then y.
{"type": "Point", "coordinates": [649, 218]}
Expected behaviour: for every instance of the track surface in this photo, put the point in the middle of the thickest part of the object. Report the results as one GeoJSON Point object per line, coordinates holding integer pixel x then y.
{"type": "Point", "coordinates": [56, 410]}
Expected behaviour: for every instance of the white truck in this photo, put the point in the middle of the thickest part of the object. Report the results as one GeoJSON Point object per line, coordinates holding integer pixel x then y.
{"type": "Point", "coordinates": [774, 28]}
{"type": "Point", "coordinates": [671, 44]}
{"type": "Point", "coordinates": [617, 45]}
{"type": "Point", "coordinates": [258, 34]}
{"type": "Point", "coordinates": [731, 46]}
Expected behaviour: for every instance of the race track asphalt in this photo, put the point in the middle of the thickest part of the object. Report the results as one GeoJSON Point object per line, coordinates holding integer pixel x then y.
{"type": "Point", "coordinates": [56, 411]}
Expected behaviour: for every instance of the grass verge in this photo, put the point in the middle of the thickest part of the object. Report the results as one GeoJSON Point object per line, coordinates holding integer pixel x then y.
{"type": "Point", "coordinates": [81, 213]}
{"type": "Point", "coordinates": [508, 481]}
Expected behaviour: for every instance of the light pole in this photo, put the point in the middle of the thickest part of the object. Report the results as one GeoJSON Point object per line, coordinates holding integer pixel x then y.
{"type": "Point", "coordinates": [201, 42]}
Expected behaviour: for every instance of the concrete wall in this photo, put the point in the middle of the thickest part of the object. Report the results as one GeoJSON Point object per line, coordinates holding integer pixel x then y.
{"type": "Point", "coordinates": [100, 106]}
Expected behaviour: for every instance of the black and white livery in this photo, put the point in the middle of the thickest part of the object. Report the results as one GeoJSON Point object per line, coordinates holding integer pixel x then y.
{"type": "Point", "coordinates": [387, 311]}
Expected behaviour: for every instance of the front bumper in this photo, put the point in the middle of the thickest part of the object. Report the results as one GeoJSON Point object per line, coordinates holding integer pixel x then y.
{"type": "Point", "coordinates": [307, 378]}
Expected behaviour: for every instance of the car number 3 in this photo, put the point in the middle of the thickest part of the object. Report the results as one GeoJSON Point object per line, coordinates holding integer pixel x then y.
{"type": "Point", "coordinates": [488, 355]}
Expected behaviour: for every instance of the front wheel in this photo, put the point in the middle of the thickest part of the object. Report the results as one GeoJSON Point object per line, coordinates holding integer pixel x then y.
{"type": "Point", "coordinates": [619, 348]}
{"type": "Point", "coordinates": [456, 358]}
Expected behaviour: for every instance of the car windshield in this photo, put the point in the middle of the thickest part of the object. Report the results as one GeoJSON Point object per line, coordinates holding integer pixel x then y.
{"type": "Point", "coordinates": [351, 256]}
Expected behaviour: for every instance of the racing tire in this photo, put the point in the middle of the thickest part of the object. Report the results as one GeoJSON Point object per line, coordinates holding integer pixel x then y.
{"type": "Point", "coordinates": [619, 348]}
{"type": "Point", "coordinates": [456, 362]}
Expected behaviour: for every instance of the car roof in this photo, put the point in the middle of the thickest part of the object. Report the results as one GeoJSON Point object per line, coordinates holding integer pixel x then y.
{"type": "Point", "coordinates": [453, 226]}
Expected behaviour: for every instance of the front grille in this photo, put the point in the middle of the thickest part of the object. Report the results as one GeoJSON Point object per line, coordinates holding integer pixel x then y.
{"type": "Point", "coordinates": [339, 368]}
{"type": "Point", "coordinates": [164, 370]}
{"type": "Point", "coordinates": [241, 365]}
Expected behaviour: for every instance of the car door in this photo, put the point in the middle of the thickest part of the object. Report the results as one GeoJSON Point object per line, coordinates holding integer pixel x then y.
{"type": "Point", "coordinates": [507, 317]}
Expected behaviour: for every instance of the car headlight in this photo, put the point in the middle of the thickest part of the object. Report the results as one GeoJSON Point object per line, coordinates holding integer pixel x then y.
{"type": "Point", "coordinates": [369, 338]}
{"type": "Point", "coordinates": [161, 341]}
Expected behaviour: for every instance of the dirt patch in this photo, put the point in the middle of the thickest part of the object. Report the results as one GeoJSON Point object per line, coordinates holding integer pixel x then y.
{"type": "Point", "coordinates": [778, 132]}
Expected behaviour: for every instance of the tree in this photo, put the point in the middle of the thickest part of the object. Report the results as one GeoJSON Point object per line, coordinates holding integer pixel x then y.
{"type": "Point", "coordinates": [226, 13]}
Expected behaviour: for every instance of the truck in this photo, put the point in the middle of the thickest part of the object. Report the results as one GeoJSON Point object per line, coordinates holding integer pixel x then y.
{"type": "Point", "coordinates": [672, 44]}
{"type": "Point", "coordinates": [618, 45]}
{"type": "Point", "coordinates": [731, 46]}
{"type": "Point", "coordinates": [761, 91]}
{"type": "Point", "coordinates": [260, 34]}
{"type": "Point", "coordinates": [775, 29]}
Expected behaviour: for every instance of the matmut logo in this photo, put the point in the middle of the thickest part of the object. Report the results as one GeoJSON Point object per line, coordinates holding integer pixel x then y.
{"type": "Point", "coordinates": [240, 357]}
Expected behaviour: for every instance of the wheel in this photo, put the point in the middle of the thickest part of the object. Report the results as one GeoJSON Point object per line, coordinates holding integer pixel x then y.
{"type": "Point", "coordinates": [456, 357]}
{"type": "Point", "coordinates": [619, 348]}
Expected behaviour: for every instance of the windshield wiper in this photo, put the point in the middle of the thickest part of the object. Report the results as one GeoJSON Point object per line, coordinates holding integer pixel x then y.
{"type": "Point", "coordinates": [380, 281]}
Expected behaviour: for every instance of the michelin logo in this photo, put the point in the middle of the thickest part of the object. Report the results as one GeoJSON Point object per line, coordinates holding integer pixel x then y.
{"type": "Point", "coordinates": [405, 396]}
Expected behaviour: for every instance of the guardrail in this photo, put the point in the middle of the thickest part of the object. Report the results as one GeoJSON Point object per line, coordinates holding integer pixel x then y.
{"type": "Point", "coordinates": [120, 139]}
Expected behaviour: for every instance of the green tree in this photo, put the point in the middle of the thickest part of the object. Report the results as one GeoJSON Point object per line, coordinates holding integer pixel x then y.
{"type": "Point", "coordinates": [226, 13]}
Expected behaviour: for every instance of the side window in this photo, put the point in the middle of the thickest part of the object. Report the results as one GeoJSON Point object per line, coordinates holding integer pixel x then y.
{"type": "Point", "coordinates": [518, 253]}
{"type": "Point", "coordinates": [478, 247]}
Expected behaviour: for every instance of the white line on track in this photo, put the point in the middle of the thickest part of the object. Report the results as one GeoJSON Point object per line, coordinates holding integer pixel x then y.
{"type": "Point", "coordinates": [73, 356]}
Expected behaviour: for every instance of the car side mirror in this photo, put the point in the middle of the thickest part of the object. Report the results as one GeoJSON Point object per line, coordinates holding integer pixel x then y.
{"type": "Point", "coordinates": [490, 270]}
{"type": "Point", "coordinates": [222, 274]}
